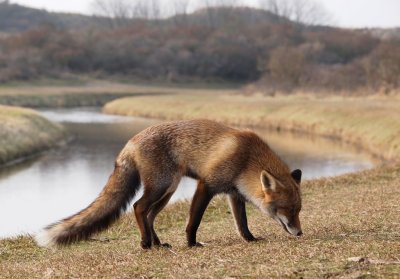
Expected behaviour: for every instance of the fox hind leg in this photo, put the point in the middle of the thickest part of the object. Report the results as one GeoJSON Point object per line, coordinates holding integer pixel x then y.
{"type": "Point", "coordinates": [153, 214]}
{"type": "Point", "coordinates": [156, 195]}
{"type": "Point", "coordinates": [142, 208]}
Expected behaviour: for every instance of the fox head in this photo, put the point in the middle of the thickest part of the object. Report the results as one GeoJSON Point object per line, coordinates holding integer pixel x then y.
{"type": "Point", "coordinates": [282, 200]}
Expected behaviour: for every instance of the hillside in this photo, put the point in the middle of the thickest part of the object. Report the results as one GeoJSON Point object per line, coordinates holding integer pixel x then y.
{"type": "Point", "coordinates": [385, 33]}
{"type": "Point", "coordinates": [17, 18]}
{"type": "Point", "coordinates": [214, 44]}
{"type": "Point", "coordinates": [225, 16]}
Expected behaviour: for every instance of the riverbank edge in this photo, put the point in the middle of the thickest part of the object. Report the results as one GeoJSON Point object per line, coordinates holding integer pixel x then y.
{"type": "Point", "coordinates": [290, 118]}
{"type": "Point", "coordinates": [21, 97]}
{"type": "Point", "coordinates": [64, 100]}
{"type": "Point", "coordinates": [24, 133]}
{"type": "Point", "coordinates": [91, 93]}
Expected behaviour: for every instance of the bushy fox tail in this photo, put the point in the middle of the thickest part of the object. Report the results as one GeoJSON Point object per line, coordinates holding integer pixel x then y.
{"type": "Point", "coordinates": [100, 214]}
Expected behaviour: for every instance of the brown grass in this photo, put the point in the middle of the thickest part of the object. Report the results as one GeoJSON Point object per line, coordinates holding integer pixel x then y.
{"type": "Point", "coordinates": [350, 216]}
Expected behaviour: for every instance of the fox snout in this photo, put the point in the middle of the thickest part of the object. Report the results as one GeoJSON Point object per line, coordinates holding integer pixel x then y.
{"type": "Point", "coordinates": [293, 228]}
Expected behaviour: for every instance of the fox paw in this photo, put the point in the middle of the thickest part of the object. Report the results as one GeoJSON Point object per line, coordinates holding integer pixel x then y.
{"type": "Point", "coordinates": [254, 239]}
{"type": "Point", "coordinates": [163, 245]}
{"type": "Point", "coordinates": [145, 245]}
{"type": "Point", "coordinates": [197, 244]}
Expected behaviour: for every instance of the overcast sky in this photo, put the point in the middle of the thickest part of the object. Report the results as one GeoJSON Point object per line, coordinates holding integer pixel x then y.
{"type": "Point", "coordinates": [345, 13]}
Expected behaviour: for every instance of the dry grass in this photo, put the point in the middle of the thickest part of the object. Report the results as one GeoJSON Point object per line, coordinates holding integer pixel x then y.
{"type": "Point", "coordinates": [350, 216]}
{"type": "Point", "coordinates": [345, 217]}
{"type": "Point", "coordinates": [371, 123]}
{"type": "Point", "coordinates": [24, 132]}
{"type": "Point", "coordinates": [92, 93]}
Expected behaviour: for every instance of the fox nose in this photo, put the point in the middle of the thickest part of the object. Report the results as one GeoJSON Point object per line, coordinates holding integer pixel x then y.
{"type": "Point", "coordinates": [300, 233]}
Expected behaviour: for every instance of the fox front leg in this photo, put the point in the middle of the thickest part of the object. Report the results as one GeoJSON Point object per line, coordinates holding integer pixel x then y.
{"type": "Point", "coordinates": [201, 199]}
{"type": "Point", "coordinates": [238, 207]}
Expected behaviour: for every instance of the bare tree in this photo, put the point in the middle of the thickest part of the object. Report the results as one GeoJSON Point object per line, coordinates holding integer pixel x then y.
{"type": "Point", "coordinates": [208, 5]}
{"type": "Point", "coordinates": [148, 9]}
{"type": "Point", "coordinates": [180, 7]}
{"type": "Point", "coordinates": [307, 12]}
{"type": "Point", "coordinates": [219, 3]}
{"type": "Point", "coordinates": [212, 13]}
{"type": "Point", "coordinates": [278, 7]}
{"type": "Point", "coordinates": [117, 11]}
{"type": "Point", "coordinates": [155, 8]}
{"type": "Point", "coordinates": [180, 10]}
{"type": "Point", "coordinates": [121, 12]}
{"type": "Point", "coordinates": [226, 3]}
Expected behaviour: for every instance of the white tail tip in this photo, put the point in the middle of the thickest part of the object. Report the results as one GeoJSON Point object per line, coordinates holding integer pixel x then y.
{"type": "Point", "coordinates": [45, 238]}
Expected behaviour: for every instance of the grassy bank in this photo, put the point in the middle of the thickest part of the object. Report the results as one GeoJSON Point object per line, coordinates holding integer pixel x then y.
{"type": "Point", "coordinates": [24, 132]}
{"type": "Point", "coordinates": [343, 218]}
{"type": "Point", "coordinates": [372, 123]}
{"type": "Point", "coordinates": [93, 93]}
{"type": "Point", "coordinates": [59, 94]}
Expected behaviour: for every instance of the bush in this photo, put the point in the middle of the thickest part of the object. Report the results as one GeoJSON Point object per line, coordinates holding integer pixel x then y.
{"type": "Point", "coordinates": [383, 66]}
{"type": "Point", "coordinates": [286, 55]}
{"type": "Point", "coordinates": [287, 65]}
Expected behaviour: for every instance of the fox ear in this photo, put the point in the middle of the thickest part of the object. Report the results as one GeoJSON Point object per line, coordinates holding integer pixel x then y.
{"type": "Point", "coordinates": [267, 181]}
{"type": "Point", "coordinates": [296, 174]}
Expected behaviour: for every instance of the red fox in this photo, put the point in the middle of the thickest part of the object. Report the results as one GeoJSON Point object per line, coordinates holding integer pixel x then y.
{"type": "Point", "coordinates": [222, 159]}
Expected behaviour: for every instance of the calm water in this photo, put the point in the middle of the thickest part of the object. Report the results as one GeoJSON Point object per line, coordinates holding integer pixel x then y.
{"type": "Point", "coordinates": [65, 180]}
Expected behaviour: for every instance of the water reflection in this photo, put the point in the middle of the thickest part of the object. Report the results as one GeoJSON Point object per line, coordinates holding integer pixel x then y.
{"type": "Point", "coordinates": [317, 156]}
{"type": "Point", "coordinates": [65, 180]}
